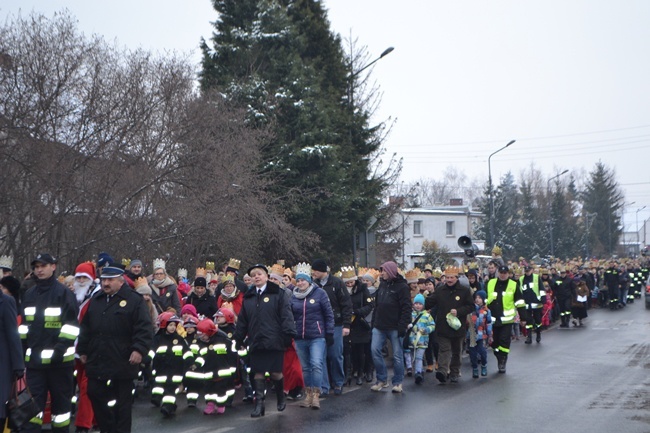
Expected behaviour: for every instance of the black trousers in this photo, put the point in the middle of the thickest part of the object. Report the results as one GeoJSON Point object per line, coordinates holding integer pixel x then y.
{"type": "Point", "coordinates": [59, 382]}
{"type": "Point", "coordinates": [112, 402]}
{"type": "Point", "coordinates": [501, 337]}
{"type": "Point", "coordinates": [533, 318]}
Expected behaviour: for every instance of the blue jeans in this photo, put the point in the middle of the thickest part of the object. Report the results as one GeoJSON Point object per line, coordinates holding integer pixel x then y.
{"type": "Point", "coordinates": [379, 338]}
{"type": "Point", "coordinates": [335, 361]}
{"type": "Point", "coordinates": [312, 355]}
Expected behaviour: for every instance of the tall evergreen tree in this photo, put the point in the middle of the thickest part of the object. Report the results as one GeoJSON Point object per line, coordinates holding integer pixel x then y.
{"type": "Point", "coordinates": [280, 59]}
{"type": "Point", "coordinates": [602, 198]}
{"type": "Point", "coordinates": [566, 231]}
{"type": "Point", "coordinates": [532, 221]}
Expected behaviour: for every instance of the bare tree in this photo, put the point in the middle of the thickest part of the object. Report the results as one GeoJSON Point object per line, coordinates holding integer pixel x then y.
{"type": "Point", "coordinates": [107, 149]}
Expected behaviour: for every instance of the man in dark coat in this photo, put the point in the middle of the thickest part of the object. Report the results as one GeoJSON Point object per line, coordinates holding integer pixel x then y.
{"type": "Point", "coordinates": [116, 333]}
{"type": "Point", "coordinates": [11, 351]}
{"type": "Point", "coordinates": [390, 319]}
{"type": "Point", "coordinates": [457, 301]}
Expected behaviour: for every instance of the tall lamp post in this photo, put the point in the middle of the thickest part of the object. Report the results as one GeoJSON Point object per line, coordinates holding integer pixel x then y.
{"type": "Point", "coordinates": [550, 216]}
{"type": "Point", "coordinates": [636, 226]}
{"type": "Point", "coordinates": [491, 195]}
{"type": "Point", "coordinates": [353, 75]}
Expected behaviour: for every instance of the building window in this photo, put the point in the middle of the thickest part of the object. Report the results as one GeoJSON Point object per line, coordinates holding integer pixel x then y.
{"type": "Point", "coordinates": [450, 228]}
{"type": "Point", "coordinates": [417, 228]}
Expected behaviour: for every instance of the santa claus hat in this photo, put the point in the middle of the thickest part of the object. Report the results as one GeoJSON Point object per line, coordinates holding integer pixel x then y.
{"type": "Point", "coordinates": [85, 270]}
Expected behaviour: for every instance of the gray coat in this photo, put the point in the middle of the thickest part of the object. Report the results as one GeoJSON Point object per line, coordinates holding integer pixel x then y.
{"type": "Point", "coordinates": [11, 350]}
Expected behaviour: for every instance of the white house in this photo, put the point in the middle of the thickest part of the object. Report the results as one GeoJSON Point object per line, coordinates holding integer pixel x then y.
{"type": "Point", "coordinates": [443, 224]}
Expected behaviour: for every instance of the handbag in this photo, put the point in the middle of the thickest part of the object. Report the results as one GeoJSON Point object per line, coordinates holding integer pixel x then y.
{"type": "Point", "coordinates": [406, 342]}
{"type": "Point", "coordinates": [21, 407]}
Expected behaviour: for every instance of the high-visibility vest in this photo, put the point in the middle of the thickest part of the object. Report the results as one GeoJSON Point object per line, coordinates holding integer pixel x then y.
{"type": "Point", "coordinates": [507, 300]}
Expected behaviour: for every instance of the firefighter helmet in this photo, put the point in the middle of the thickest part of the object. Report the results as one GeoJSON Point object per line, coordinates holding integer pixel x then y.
{"type": "Point", "coordinates": [206, 326]}
{"type": "Point", "coordinates": [167, 317]}
{"type": "Point", "coordinates": [227, 313]}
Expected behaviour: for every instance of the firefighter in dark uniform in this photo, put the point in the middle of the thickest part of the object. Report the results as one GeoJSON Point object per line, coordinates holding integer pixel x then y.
{"type": "Point", "coordinates": [534, 296]}
{"type": "Point", "coordinates": [612, 283]}
{"type": "Point", "coordinates": [503, 299]}
{"type": "Point", "coordinates": [48, 331]}
{"type": "Point", "coordinates": [564, 290]}
{"type": "Point", "coordinates": [116, 333]}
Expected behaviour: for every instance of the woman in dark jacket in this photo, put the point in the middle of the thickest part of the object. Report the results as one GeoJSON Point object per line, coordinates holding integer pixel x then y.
{"type": "Point", "coordinates": [314, 321]}
{"type": "Point", "coordinates": [203, 301]}
{"type": "Point", "coordinates": [266, 323]}
{"type": "Point", "coordinates": [360, 331]}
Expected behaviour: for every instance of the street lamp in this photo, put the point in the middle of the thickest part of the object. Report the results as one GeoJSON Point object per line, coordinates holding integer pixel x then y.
{"type": "Point", "coordinates": [636, 225]}
{"type": "Point", "coordinates": [490, 191]}
{"type": "Point", "coordinates": [353, 75]}
{"type": "Point", "coordinates": [550, 216]}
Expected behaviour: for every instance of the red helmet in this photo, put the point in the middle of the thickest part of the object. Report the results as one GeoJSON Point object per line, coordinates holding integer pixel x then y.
{"type": "Point", "coordinates": [165, 318]}
{"type": "Point", "coordinates": [206, 326]}
{"type": "Point", "coordinates": [227, 313]}
{"type": "Point", "coordinates": [190, 322]}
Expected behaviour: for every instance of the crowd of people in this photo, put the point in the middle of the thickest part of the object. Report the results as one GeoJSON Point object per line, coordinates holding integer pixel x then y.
{"type": "Point", "coordinates": [84, 341]}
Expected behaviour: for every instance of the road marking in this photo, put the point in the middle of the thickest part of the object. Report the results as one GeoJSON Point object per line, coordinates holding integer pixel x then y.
{"type": "Point", "coordinates": [208, 429]}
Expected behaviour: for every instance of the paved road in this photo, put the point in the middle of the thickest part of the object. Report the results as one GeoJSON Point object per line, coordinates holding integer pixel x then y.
{"type": "Point", "coordinates": [590, 379]}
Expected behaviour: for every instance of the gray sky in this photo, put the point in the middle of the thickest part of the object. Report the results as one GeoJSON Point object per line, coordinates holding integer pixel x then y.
{"type": "Point", "coordinates": [569, 80]}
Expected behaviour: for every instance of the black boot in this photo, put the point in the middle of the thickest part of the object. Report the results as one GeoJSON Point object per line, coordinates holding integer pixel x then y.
{"type": "Point", "coordinates": [279, 394]}
{"type": "Point", "coordinates": [501, 364]}
{"type": "Point", "coordinates": [260, 389]}
{"type": "Point", "coordinates": [539, 336]}
{"type": "Point", "coordinates": [529, 338]}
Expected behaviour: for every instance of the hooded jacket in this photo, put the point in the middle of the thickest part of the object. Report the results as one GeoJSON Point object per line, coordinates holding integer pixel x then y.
{"type": "Point", "coordinates": [392, 306]}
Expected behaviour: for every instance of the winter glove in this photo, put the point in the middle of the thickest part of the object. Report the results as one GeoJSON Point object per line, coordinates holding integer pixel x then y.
{"type": "Point", "coordinates": [18, 374]}
{"type": "Point", "coordinates": [329, 339]}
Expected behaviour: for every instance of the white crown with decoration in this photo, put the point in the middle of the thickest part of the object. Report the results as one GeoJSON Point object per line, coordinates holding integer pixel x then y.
{"type": "Point", "coordinates": [182, 273]}
{"type": "Point", "coordinates": [159, 263]}
{"type": "Point", "coordinates": [6, 262]}
{"type": "Point", "coordinates": [303, 268]}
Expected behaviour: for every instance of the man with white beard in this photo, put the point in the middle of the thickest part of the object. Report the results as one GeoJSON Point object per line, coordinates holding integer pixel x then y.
{"type": "Point", "coordinates": [84, 288]}
{"type": "Point", "coordinates": [84, 281]}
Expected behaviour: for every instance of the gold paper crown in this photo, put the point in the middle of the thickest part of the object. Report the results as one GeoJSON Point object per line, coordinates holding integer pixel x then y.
{"type": "Point", "coordinates": [473, 265]}
{"type": "Point", "coordinates": [6, 262]}
{"type": "Point", "coordinates": [496, 251]}
{"type": "Point", "coordinates": [200, 272]}
{"type": "Point", "coordinates": [288, 272]}
{"type": "Point", "coordinates": [280, 262]}
{"type": "Point", "coordinates": [428, 267]}
{"type": "Point", "coordinates": [303, 268]}
{"type": "Point", "coordinates": [338, 274]}
{"type": "Point", "coordinates": [277, 269]}
{"type": "Point", "coordinates": [421, 276]}
{"type": "Point", "coordinates": [228, 279]}
{"type": "Point", "coordinates": [437, 273]}
{"type": "Point", "coordinates": [159, 263]}
{"type": "Point", "coordinates": [182, 273]}
{"type": "Point", "coordinates": [140, 282]}
{"type": "Point", "coordinates": [209, 266]}
{"type": "Point", "coordinates": [412, 275]}
{"type": "Point", "coordinates": [347, 273]}
{"type": "Point", "coordinates": [126, 262]}
{"type": "Point", "coordinates": [453, 270]}
{"type": "Point", "coordinates": [234, 263]}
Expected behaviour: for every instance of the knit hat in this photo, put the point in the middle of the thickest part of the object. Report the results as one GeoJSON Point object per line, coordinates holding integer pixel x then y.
{"type": "Point", "coordinates": [481, 293]}
{"type": "Point", "coordinates": [419, 299]}
{"type": "Point", "coordinates": [103, 259]}
{"type": "Point", "coordinates": [12, 284]}
{"type": "Point", "coordinates": [85, 270]}
{"type": "Point", "coordinates": [144, 289]}
{"type": "Point", "coordinates": [318, 265]}
{"type": "Point", "coordinates": [135, 262]}
{"type": "Point", "coordinates": [200, 282]}
{"type": "Point", "coordinates": [391, 269]}
{"type": "Point", "coordinates": [369, 278]}
{"type": "Point", "coordinates": [189, 309]}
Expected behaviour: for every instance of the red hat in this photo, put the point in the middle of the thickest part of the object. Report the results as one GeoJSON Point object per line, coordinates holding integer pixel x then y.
{"type": "Point", "coordinates": [85, 270]}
